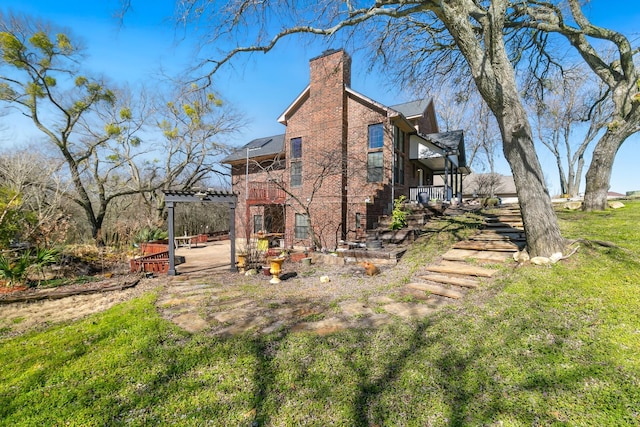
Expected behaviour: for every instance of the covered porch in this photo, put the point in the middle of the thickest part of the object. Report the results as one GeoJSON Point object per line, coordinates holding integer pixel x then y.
{"type": "Point", "coordinates": [444, 154]}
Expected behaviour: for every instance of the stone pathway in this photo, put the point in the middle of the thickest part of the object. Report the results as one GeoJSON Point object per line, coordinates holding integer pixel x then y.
{"type": "Point", "coordinates": [195, 305]}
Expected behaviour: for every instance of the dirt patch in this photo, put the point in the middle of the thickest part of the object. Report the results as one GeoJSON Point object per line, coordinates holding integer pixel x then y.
{"type": "Point", "coordinates": [17, 318]}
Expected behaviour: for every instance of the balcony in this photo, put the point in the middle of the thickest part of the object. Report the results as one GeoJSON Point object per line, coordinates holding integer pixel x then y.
{"type": "Point", "coordinates": [265, 193]}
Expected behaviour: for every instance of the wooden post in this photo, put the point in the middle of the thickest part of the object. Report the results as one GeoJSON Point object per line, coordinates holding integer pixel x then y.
{"type": "Point", "coordinates": [232, 235]}
{"type": "Point", "coordinates": [172, 248]}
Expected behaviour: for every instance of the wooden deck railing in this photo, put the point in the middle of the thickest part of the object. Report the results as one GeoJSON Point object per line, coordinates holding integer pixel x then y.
{"type": "Point", "coordinates": [266, 192]}
{"type": "Point", "coordinates": [153, 263]}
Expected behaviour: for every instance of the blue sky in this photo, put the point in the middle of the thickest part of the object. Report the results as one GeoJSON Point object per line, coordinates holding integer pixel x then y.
{"type": "Point", "coordinates": [261, 86]}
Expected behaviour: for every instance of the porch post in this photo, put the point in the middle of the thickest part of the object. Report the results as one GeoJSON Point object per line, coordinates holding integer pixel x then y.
{"type": "Point", "coordinates": [455, 182]}
{"type": "Point", "coordinates": [232, 235]}
{"type": "Point", "coordinates": [446, 177]}
{"type": "Point", "coordinates": [172, 248]}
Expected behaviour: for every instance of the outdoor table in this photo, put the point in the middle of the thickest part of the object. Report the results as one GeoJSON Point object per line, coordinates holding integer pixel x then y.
{"type": "Point", "coordinates": [186, 241]}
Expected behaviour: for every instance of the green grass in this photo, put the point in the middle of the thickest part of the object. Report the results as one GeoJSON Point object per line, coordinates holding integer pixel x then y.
{"type": "Point", "coordinates": [542, 346]}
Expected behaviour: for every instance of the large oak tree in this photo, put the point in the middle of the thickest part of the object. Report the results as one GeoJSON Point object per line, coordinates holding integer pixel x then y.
{"type": "Point", "coordinates": [620, 75]}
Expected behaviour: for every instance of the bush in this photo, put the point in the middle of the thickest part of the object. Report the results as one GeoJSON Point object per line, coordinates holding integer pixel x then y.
{"type": "Point", "coordinates": [399, 215]}
{"type": "Point", "coordinates": [149, 234]}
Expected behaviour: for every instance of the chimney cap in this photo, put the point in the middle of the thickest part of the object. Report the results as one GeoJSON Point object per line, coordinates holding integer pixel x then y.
{"type": "Point", "coordinates": [327, 53]}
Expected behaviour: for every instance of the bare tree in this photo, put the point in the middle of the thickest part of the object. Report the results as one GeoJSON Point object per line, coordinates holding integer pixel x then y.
{"type": "Point", "coordinates": [36, 198]}
{"type": "Point", "coordinates": [193, 125]}
{"type": "Point", "coordinates": [569, 101]}
{"type": "Point", "coordinates": [487, 185]}
{"type": "Point", "coordinates": [621, 76]}
{"type": "Point", "coordinates": [453, 35]}
{"type": "Point", "coordinates": [463, 108]}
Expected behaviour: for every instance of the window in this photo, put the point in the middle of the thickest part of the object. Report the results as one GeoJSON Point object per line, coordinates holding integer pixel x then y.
{"type": "Point", "coordinates": [358, 220]}
{"type": "Point", "coordinates": [398, 136]}
{"type": "Point", "coordinates": [296, 148]}
{"type": "Point", "coordinates": [296, 174]}
{"type": "Point", "coordinates": [375, 136]}
{"type": "Point", "coordinates": [257, 223]}
{"type": "Point", "coordinates": [302, 226]}
{"type": "Point", "coordinates": [374, 167]}
{"type": "Point", "coordinates": [398, 169]}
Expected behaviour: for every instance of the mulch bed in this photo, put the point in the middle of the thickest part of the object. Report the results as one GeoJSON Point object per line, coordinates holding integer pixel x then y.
{"type": "Point", "coordinates": [23, 294]}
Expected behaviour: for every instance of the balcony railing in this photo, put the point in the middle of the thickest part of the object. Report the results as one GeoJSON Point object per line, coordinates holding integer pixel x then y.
{"type": "Point", "coordinates": [266, 192]}
{"type": "Point", "coordinates": [427, 193]}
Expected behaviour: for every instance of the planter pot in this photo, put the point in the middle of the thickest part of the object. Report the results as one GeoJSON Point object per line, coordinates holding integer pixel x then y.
{"type": "Point", "coordinates": [242, 262]}
{"type": "Point", "coordinates": [306, 261]}
{"type": "Point", "coordinates": [266, 270]}
{"type": "Point", "coordinates": [276, 268]}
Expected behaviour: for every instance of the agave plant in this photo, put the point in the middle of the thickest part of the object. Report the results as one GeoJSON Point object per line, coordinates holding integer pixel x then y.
{"type": "Point", "coordinates": [17, 270]}
{"type": "Point", "coordinates": [14, 270]}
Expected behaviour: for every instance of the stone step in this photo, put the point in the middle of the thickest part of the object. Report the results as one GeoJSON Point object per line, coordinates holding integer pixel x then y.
{"type": "Point", "coordinates": [498, 224]}
{"type": "Point", "coordinates": [461, 268]}
{"type": "Point", "coordinates": [487, 256]}
{"type": "Point", "coordinates": [487, 246]}
{"type": "Point", "coordinates": [450, 280]}
{"type": "Point", "coordinates": [436, 289]}
{"type": "Point", "coordinates": [519, 237]}
{"type": "Point", "coordinates": [502, 230]}
{"type": "Point", "coordinates": [503, 218]}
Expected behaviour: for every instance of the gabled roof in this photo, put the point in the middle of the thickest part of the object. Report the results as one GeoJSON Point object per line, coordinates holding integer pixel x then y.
{"type": "Point", "coordinates": [413, 108]}
{"type": "Point", "coordinates": [305, 94]}
{"type": "Point", "coordinates": [296, 102]}
{"type": "Point", "coordinates": [451, 141]}
{"type": "Point", "coordinates": [259, 147]}
{"type": "Point", "coordinates": [449, 144]}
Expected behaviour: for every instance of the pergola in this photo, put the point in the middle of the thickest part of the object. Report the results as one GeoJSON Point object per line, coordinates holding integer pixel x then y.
{"type": "Point", "coordinates": [199, 196]}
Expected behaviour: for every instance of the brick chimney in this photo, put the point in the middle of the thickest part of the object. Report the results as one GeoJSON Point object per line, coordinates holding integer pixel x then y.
{"type": "Point", "coordinates": [330, 74]}
{"type": "Point", "coordinates": [332, 68]}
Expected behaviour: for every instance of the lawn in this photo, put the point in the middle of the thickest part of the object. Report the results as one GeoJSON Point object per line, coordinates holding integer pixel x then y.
{"type": "Point", "coordinates": [540, 346]}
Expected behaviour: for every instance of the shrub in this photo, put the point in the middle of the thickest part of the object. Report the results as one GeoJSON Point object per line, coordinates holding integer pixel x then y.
{"type": "Point", "coordinates": [149, 234]}
{"type": "Point", "coordinates": [399, 215]}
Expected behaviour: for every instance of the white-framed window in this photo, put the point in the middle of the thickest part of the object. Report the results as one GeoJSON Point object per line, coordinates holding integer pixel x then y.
{"type": "Point", "coordinates": [302, 226]}
{"type": "Point", "coordinates": [296, 174]}
{"type": "Point", "coordinates": [376, 136]}
{"type": "Point", "coordinates": [257, 223]}
{"type": "Point", "coordinates": [375, 166]}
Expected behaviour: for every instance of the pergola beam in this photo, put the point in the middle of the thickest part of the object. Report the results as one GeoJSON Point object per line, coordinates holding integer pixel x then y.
{"type": "Point", "coordinates": [199, 196]}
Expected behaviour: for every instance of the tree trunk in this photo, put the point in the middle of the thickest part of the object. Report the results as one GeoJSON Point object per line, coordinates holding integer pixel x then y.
{"type": "Point", "coordinates": [575, 183]}
{"type": "Point", "coordinates": [538, 216]}
{"type": "Point", "coordinates": [599, 173]}
{"type": "Point", "coordinates": [495, 78]}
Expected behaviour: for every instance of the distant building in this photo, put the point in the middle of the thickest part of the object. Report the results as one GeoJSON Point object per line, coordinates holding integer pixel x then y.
{"type": "Point", "coordinates": [342, 161]}
{"type": "Point", "coordinates": [488, 185]}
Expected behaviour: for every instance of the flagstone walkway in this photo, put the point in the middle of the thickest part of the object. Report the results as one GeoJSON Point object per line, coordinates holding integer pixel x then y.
{"type": "Point", "coordinates": [223, 303]}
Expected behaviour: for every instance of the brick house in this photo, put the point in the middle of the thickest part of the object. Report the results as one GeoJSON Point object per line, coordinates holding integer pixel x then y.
{"type": "Point", "coordinates": [341, 162]}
